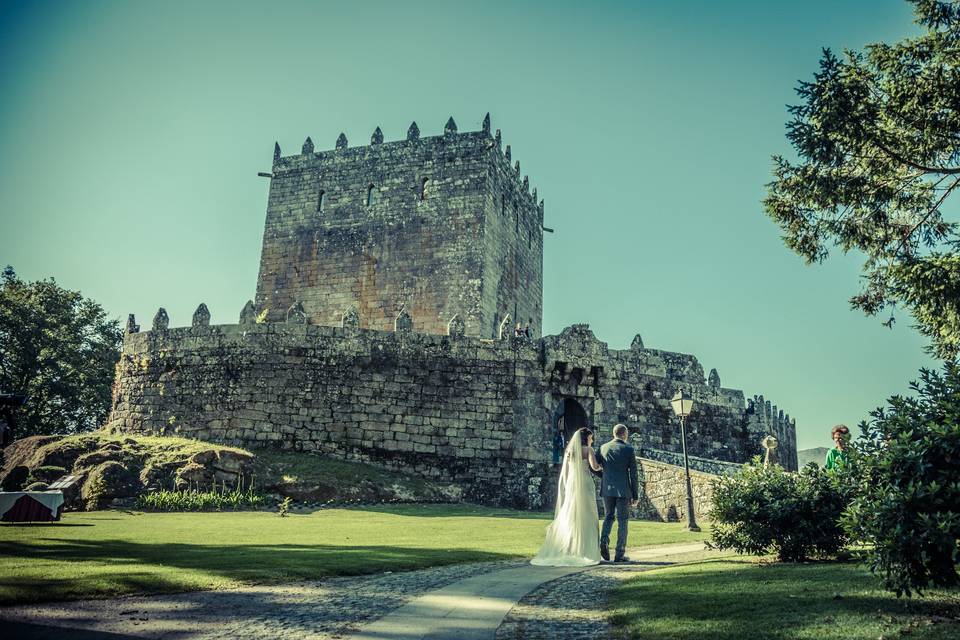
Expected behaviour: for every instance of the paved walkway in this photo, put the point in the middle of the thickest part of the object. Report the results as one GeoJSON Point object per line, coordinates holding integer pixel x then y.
{"type": "Point", "coordinates": [467, 602]}
{"type": "Point", "coordinates": [577, 607]}
{"type": "Point", "coordinates": [473, 609]}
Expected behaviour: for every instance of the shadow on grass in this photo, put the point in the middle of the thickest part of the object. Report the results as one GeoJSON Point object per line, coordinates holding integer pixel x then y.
{"type": "Point", "coordinates": [444, 510]}
{"type": "Point", "coordinates": [48, 525]}
{"type": "Point", "coordinates": [729, 599]}
{"type": "Point", "coordinates": [96, 568]}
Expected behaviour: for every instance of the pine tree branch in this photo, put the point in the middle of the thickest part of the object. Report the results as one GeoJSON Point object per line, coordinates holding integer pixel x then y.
{"type": "Point", "coordinates": [914, 165]}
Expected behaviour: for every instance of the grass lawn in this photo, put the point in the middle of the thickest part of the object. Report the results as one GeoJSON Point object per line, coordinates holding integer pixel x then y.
{"type": "Point", "coordinates": [734, 598]}
{"type": "Point", "coordinates": [114, 552]}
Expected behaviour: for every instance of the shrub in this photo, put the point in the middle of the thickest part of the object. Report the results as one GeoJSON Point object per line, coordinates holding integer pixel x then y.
{"type": "Point", "coordinates": [16, 479]}
{"type": "Point", "coordinates": [768, 510]}
{"type": "Point", "coordinates": [46, 474]}
{"type": "Point", "coordinates": [196, 500]}
{"type": "Point", "coordinates": [106, 482]}
{"type": "Point", "coordinates": [908, 500]}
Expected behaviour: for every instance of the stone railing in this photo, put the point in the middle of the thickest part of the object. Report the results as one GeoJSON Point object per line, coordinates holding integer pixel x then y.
{"type": "Point", "coordinates": [703, 465]}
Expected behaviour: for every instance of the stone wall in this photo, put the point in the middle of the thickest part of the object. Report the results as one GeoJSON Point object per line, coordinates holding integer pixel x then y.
{"type": "Point", "coordinates": [437, 226]}
{"type": "Point", "coordinates": [430, 405]}
{"type": "Point", "coordinates": [664, 494]}
{"type": "Point", "coordinates": [478, 412]}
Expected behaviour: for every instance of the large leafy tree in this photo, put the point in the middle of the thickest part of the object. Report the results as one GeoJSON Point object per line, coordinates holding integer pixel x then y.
{"type": "Point", "coordinates": [877, 138]}
{"type": "Point", "coordinates": [59, 349]}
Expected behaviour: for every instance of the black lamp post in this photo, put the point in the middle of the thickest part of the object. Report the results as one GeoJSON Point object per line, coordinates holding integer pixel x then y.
{"type": "Point", "coordinates": [682, 404]}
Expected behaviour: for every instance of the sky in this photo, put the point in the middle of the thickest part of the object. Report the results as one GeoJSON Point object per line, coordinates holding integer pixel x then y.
{"type": "Point", "coordinates": [131, 134]}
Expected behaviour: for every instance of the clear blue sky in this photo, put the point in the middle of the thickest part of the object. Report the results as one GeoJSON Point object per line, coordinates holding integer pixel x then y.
{"type": "Point", "coordinates": [131, 134]}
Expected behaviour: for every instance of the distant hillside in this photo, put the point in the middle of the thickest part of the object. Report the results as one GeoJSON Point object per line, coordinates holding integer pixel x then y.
{"type": "Point", "coordinates": [817, 454]}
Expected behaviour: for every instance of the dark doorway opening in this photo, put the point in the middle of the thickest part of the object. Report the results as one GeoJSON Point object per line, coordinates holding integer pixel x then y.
{"type": "Point", "coordinates": [570, 417]}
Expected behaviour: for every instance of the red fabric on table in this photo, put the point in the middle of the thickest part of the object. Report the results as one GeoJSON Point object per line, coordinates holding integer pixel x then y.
{"type": "Point", "coordinates": [26, 509]}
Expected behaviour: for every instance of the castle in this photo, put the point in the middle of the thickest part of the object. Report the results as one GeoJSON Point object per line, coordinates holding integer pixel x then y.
{"type": "Point", "coordinates": [390, 279]}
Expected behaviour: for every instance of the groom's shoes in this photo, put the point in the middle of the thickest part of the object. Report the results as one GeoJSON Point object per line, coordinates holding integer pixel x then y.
{"type": "Point", "coordinates": [605, 552]}
{"type": "Point", "coordinates": [621, 559]}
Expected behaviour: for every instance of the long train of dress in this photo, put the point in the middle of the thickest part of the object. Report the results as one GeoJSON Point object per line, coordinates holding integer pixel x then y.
{"type": "Point", "coordinates": [573, 538]}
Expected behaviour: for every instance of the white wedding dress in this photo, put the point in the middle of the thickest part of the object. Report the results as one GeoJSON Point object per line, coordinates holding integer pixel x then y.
{"type": "Point", "coordinates": [573, 538]}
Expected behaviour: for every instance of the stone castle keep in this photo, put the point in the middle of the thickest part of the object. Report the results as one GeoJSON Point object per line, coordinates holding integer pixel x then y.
{"type": "Point", "coordinates": [390, 280]}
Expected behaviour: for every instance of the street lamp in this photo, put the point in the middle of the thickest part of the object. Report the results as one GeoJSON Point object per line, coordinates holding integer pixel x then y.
{"type": "Point", "coordinates": [682, 404]}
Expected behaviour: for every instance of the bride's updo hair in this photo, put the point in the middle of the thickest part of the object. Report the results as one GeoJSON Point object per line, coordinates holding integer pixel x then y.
{"type": "Point", "coordinates": [585, 436]}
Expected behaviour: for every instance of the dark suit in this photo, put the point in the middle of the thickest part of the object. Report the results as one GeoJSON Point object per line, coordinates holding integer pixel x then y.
{"type": "Point", "coordinates": [620, 485]}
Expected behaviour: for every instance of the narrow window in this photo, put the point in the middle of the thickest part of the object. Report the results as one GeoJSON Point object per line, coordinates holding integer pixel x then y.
{"type": "Point", "coordinates": [320, 200]}
{"type": "Point", "coordinates": [503, 205]}
{"type": "Point", "coordinates": [371, 196]}
{"type": "Point", "coordinates": [423, 188]}
{"type": "Point", "coordinates": [529, 238]}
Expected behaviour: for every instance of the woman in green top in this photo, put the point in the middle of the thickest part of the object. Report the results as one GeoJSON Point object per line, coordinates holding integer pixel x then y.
{"type": "Point", "coordinates": [838, 455]}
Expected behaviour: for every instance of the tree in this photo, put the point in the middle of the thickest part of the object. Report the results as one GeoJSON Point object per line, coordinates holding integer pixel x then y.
{"type": "Point", "coordinates": [877, 135]}
{"type": "Point", "coordinates": [59, 349]}
{"type": "Point", "coordinates": [907, 470]}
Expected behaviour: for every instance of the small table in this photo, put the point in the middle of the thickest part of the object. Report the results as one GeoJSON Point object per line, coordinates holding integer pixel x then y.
{"type": "Point", "coordinates": [31, 506]}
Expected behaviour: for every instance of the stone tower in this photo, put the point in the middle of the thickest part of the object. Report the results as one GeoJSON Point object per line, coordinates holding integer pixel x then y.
{"type": "Point", "coordinates": [426, 227]}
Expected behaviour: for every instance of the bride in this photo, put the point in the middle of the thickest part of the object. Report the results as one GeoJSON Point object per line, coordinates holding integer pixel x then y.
{"type": "Point", "coordinates": [572, 538]}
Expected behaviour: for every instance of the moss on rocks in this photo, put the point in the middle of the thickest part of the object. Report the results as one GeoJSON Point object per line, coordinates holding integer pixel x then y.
{"type": "Point", "coordinates": [107, 482]}
{"type": "Point", "coordinates": [46, 474]}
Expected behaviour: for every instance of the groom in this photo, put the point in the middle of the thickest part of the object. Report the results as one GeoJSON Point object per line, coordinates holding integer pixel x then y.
{"type": "Point", "coordinates": [619, 485]}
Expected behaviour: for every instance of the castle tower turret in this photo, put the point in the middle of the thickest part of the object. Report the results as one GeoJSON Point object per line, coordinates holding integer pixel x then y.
{"type": "Point", "coordinates": [438, 226]}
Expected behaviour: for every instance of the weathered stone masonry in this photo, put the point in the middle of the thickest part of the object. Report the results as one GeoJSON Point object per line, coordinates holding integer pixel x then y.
{"type": "Point", "coordinates": [390, 277]}
{"type": "Point", "coordinates": [476, 411]}
{"type": "Point", "coordinates": [438, 226]}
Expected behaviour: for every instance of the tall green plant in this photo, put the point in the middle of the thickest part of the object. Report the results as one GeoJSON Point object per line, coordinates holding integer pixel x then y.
{"type": "Point", "coordinates": [908, 503]}
{"type": "Point", "coordinates": [215, 499]}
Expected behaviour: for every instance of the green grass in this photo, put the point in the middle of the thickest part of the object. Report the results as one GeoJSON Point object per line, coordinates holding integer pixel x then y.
{"type": "Point", "coordinates": [734, 598]}
{"type": "Point", "coordinates": [112, 552]}
{"type": "Point", "coordinates": [311, 469]}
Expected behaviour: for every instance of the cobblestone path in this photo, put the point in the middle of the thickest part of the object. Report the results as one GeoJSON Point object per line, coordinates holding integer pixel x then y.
{"type": "Point", "coordinates": [576, 607]}
{"type": "Point", "coordinates": [323, 609]}
{"type": "Point", "coordinates": [570, 607]}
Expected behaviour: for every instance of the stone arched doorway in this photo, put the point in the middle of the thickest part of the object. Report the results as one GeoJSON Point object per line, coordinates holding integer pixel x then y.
{"type": "Point", "coordinates": [570, 416]}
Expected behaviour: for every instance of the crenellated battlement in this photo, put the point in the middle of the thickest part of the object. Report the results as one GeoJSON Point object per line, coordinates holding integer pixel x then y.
{"type": "Point", "coordinates": [451, 137]}
{"type": "Point", "coordinates": [201, 373]}
{"type": "Point", "coordinates": [439, 226]}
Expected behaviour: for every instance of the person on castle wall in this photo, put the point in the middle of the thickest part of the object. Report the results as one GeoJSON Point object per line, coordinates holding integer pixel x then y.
{"type": "Point", "coordinates": [526, 331]}
{"type": "Point", "coordinates": [572, 539]}
{"type": "Point", "coordinates": [620, 489]}
{"type": "Point", "coordinates": [518, 331]}
{"type": "Point", "coordinates": [837, 456]}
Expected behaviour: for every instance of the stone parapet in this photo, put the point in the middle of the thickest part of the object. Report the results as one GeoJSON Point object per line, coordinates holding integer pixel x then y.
{"type": "Point", "coordinates": [664, 492]}
{"type": "Point", "coordinates": [704, 465]}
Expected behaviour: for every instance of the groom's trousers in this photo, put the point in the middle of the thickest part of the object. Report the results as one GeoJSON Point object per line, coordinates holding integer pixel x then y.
{"type": "Point", "coordinates": [620, 507]}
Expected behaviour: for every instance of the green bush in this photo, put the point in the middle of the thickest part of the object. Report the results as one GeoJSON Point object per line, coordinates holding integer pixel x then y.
{"type": "Point", "coordinates": [46, 474]}
{"type": "Point", "coordinates": [768, 510]}
{"type": "Point", "coordinates": [201, 500]}
{"type": "Point", "coordinates": [908, 499]}
{"type": "Point", "coordinates": [16, 479]}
